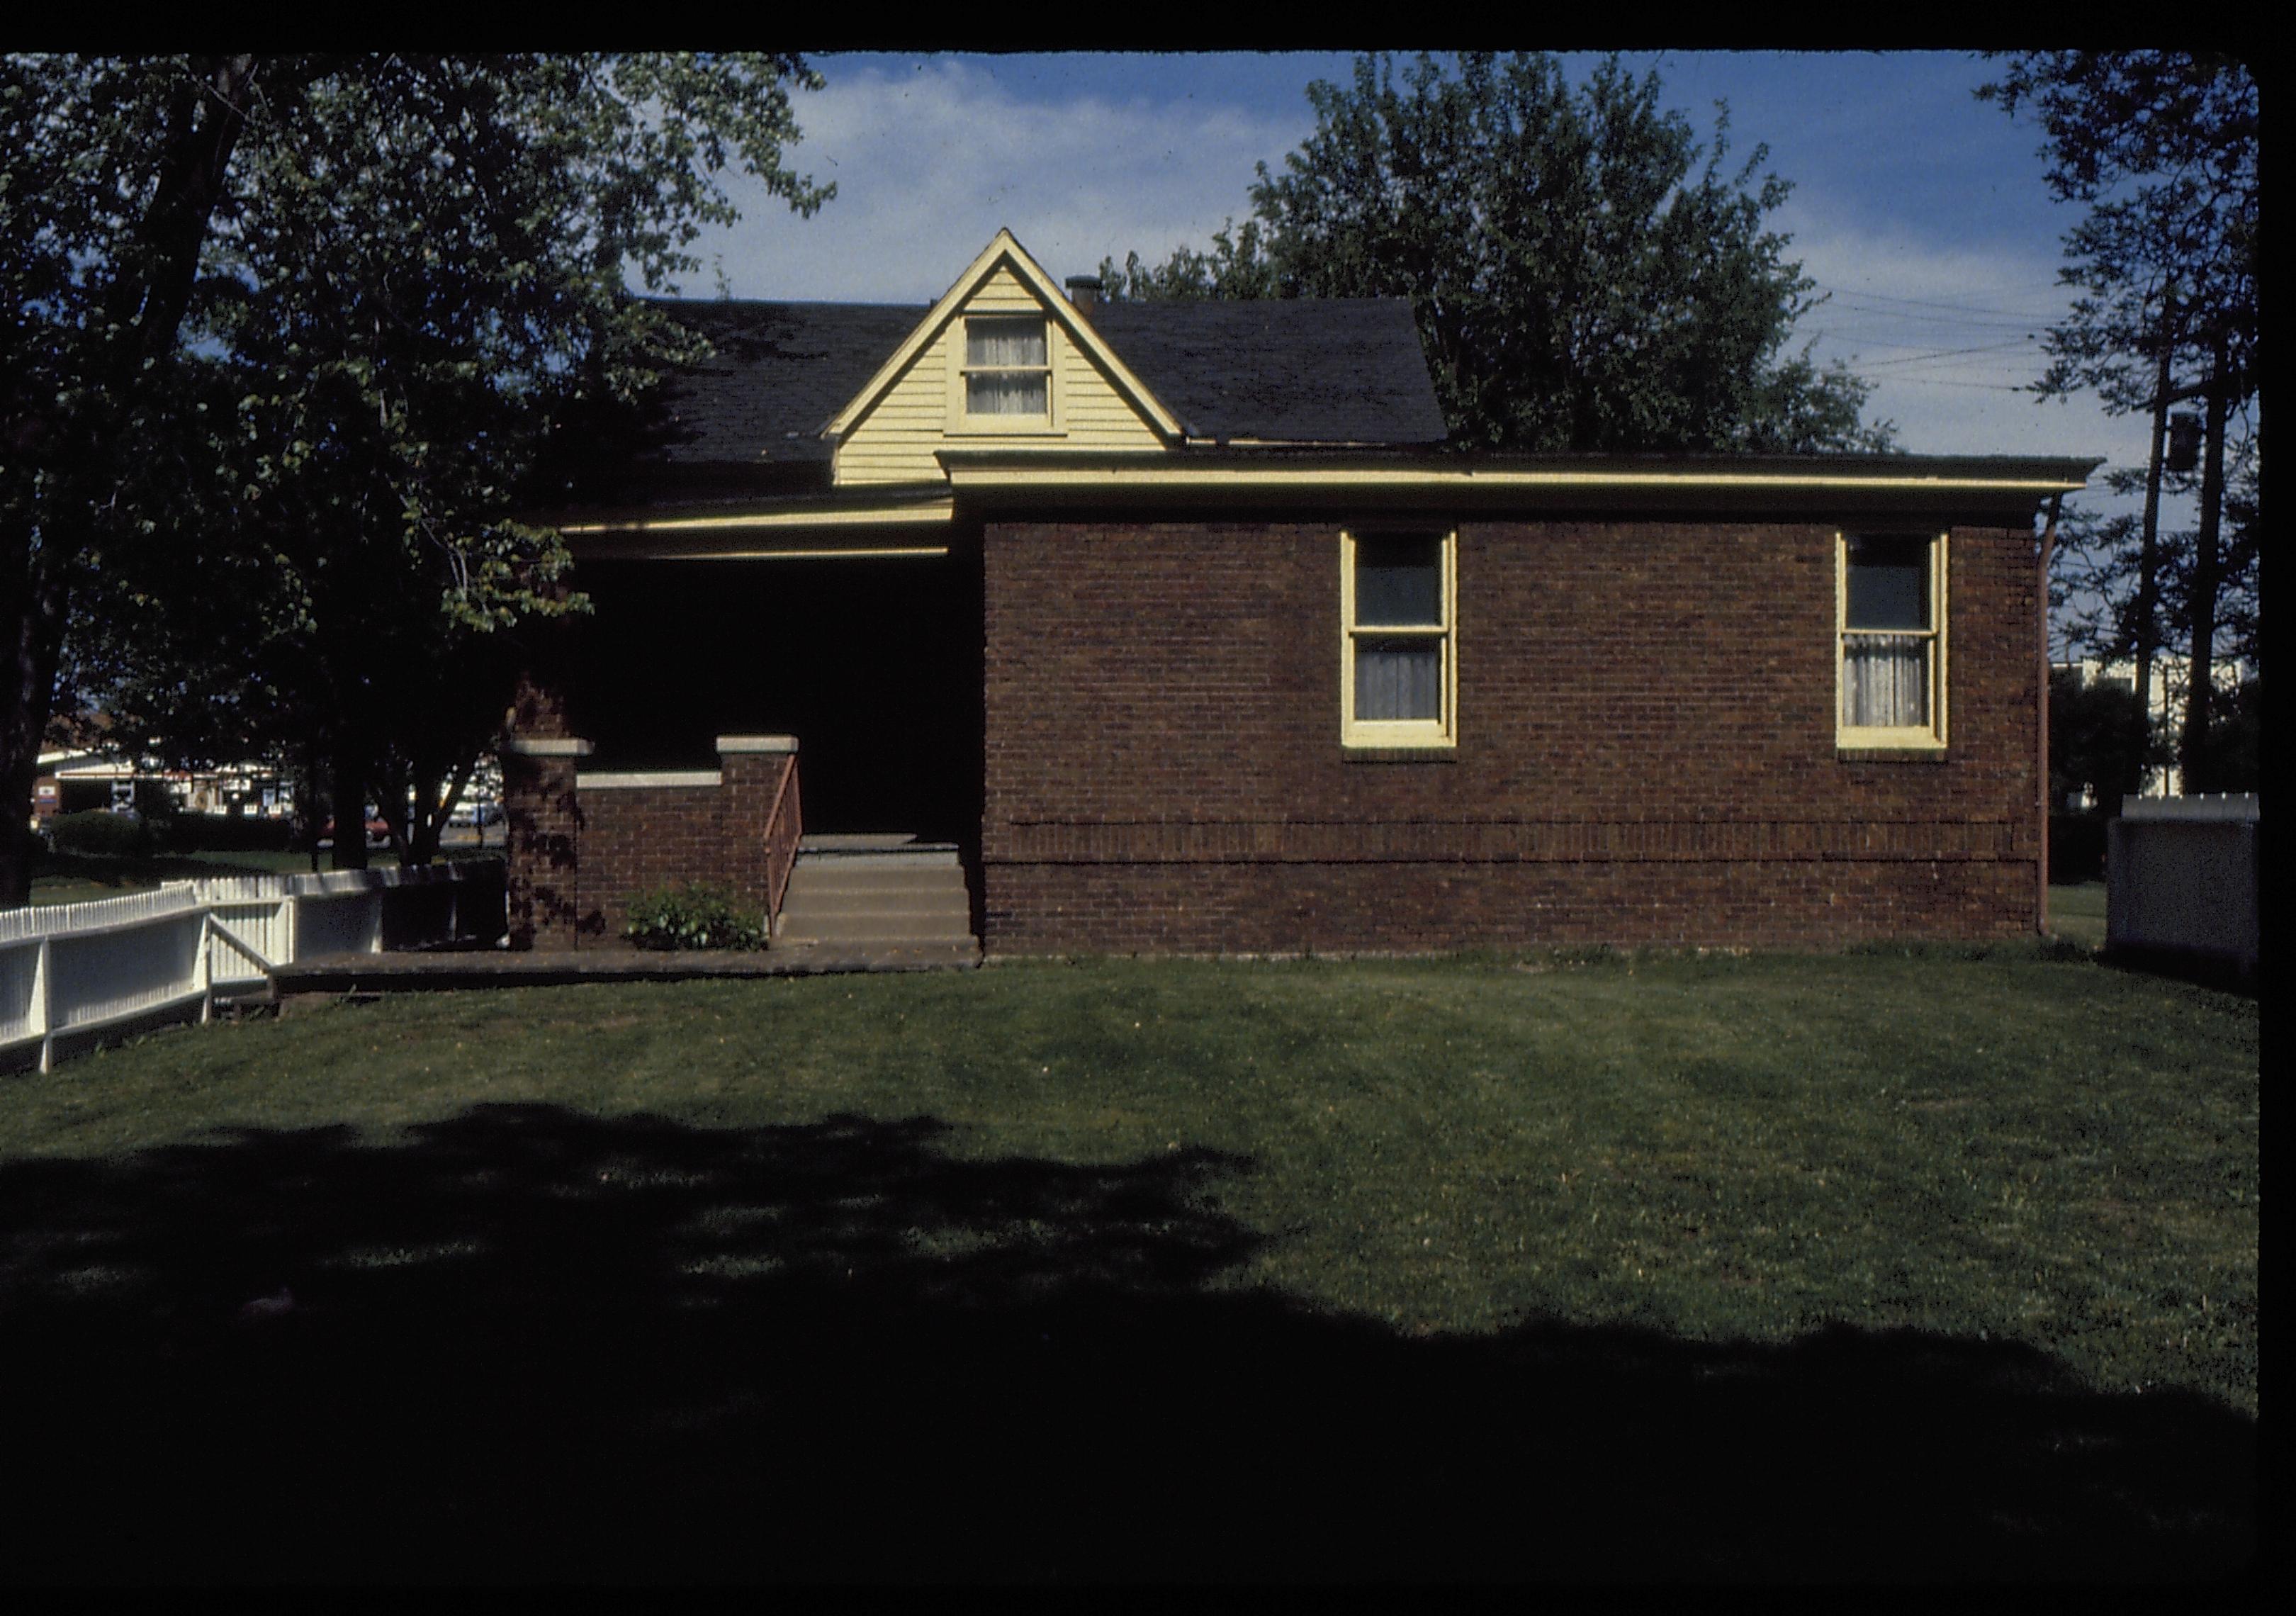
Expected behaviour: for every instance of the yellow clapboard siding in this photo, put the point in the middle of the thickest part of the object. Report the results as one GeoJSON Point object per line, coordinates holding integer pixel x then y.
{"type": "Point", "coordinates": [896, 439]}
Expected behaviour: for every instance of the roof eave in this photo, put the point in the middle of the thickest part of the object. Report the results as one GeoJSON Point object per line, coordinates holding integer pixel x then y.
{"type": "Point", "coordinates": [1404, 477]}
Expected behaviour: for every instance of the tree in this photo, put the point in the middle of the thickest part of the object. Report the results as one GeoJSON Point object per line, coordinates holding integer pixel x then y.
{"type": "Point", "coordinates": [2162, 148]}
{"type": "Point", "coordinates": [404, 281]}
{"type": "Point", "coordinates": [2100, 740]}
{"type": "Point", "coordinates": [1582, 279]}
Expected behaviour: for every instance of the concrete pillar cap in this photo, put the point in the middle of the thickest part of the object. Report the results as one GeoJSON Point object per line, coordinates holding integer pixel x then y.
{"type": "Point", "coordinates": [757, 744]}
{"type": "Point", "coordinates": [547, 746]}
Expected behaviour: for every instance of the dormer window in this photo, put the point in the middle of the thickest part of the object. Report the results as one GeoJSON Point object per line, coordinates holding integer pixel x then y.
{"type": "Point", "coordinates": [1008, 369]}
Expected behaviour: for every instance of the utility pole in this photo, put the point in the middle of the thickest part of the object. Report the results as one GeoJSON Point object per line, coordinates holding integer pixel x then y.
{"type": "Point", "coordinates": [2148, 555]}
{"type": "Point", "coordinates": [2192, 755]}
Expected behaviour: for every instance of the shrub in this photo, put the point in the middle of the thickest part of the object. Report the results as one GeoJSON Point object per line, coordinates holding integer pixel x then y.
{"type": "Point", "coordinates": [230, 833]}
{"type": "Point", "coordinates": [696, 915]}
{"type": "Point", "coordinates": [101, 834]}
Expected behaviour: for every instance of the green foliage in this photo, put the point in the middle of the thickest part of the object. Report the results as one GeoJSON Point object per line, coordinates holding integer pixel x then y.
{"type": "Point", "coordinates": [2162, 147]}
{"type": "Point", "coordinates": [2163, 150]}
{"type": "Point", "coordinates": [99, 833]}
{"type": "Point", "coordinates": [696, 915]}
{"type": "Point", "coordinates": [1585, 274]}
{"type": "Point", "coordinates": [2100, 739]}
{"type": "Point", "coordinates": [2096, 580]}
{"type": "Point", "coordinates": [403, 278]}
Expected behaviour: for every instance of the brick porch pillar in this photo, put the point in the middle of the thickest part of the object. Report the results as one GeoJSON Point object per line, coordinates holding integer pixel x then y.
{"type": "Point", "coordinates": [749, 771]}
{"type": "Point", "coordinates": [542, 841]}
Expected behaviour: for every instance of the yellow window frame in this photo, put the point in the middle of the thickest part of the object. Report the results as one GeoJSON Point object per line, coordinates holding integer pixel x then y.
{"type": "Point", "coordinates": [961, 418]}
{"type": "Point", "coordinates": [1441, 731]}
{"type": "Point", "coordinates": [1930, 736]}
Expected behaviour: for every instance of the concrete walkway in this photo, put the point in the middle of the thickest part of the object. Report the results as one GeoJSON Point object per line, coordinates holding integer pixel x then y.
{"type": "Point", "coordinates": [369, 973]}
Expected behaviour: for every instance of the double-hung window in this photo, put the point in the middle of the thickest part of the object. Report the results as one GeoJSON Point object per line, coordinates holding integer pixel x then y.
{"type": "Point", "coordinates": [1398, 675]}
{"type": "Point", "coordinates": [1007, 376]}
{"type": "Point", "coordinates": [1890, 631]}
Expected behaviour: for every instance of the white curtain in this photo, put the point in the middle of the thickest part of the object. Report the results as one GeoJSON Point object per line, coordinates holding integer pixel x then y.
{"type": "Point", "coordinates": [1398, 679]}
{"type": "Point", "coordinates": [1005, 395]}
{"type": "Point", "coordinates": [1004, 342]}
{"type": "Point", "coordinates": [1885, 680]}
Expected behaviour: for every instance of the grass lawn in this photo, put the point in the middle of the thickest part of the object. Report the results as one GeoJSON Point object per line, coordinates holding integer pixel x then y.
{"type": "Point", "coordinates": [1924, 1264]}
{"type": "Point", "coordinates": [2077, 912]}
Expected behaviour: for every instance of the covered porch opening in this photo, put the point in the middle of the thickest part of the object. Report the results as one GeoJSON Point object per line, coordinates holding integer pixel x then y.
{"type": "Point", "coordinates": [870, 657]}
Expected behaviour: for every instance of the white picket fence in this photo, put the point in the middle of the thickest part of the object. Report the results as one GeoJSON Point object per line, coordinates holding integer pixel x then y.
{"type": "Point", "coordinates": [70, 971]}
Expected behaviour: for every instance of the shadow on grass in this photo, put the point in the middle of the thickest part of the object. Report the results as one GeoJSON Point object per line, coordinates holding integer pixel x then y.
{"type": "Point", "coordinates": [530, 1343]}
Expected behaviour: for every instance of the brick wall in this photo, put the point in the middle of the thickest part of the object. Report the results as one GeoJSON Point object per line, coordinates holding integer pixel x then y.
{"type": "Point", "coordinates": [1646, 747]}
{"type": "Point", "coordinates": [579, 851]}
{"type": "Point", "coordinates": [542, 839]}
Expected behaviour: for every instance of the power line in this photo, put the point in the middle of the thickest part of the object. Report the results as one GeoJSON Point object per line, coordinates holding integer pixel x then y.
{"type": "Point", "coordinates": [1852, 339]}
{"type": "Point", "coordinates": [1905, 317]}
{"type": "Point", "coordinates": [1958, 308]}
{"type": "Point", "coordinates": [1991, 386]}
{"type": "Point", "coordinates": [1948, 353]}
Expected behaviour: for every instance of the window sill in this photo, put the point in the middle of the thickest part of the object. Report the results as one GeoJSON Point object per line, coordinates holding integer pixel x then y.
{"type": "Point", "coordinates": [1398, 754]}
{"type": "Point", "coordinates": [1846, 752]}
{"type": "Point", "coordinates": [966, 426]}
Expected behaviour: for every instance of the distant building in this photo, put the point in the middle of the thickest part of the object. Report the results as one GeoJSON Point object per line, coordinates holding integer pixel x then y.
{"type": "Point", "coordinates": [2164, 703]}
{"type": "Point", "coordinates": [75, 782]}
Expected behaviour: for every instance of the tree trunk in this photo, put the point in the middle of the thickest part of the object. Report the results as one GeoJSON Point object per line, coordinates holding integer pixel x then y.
{"type": "Point", "coordinates": [204, 125]}
{"type": "Point", "coordinates": [2148, 562]}
{"type": "Point", "coordinates": [435, 810]}
{"type": "Point", "coordinates": [350, 803]}
{"type": "Point", "coordinates": [2195, 758]}
{"type": "Point", "coordinates": [37, 620]}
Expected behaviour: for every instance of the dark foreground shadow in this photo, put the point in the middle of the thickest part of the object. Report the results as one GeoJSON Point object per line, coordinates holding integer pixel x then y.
{"type": "Point", "coordinates": [533, 1344]}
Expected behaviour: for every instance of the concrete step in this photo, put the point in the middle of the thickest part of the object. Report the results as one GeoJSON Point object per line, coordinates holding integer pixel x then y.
{"type": "Point", "coordinates": [877, 893]}
{"type": "Point", "coordinates": [808, 877]}
{"type": "Point", "coordinates": [870, 842]}
{"type": "Point", "coordinates": [877, 922]}
{"type": "Point", "coordinates": [904, 858]}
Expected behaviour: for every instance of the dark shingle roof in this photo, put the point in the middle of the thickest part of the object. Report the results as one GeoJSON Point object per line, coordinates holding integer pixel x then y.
{"type": "Point", "coordinates": [1340, 370]}
{"type": "Point", "coordinates": [1323, 370]}
{"type": "Point", "coordinates": [781, 370]}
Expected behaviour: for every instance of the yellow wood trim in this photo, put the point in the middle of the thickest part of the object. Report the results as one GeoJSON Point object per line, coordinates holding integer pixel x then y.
{"type": "Point", "coordinates": [1877, 737]}
{"type": "Point", "coordinates": [1166, 476]}
{"type": "Point", "coordinates": [939, 512]}
{"type": "Point", "coordinates": [850, 552]}
{"type": "Point", "coordinates": [962, 423]}
{"type": "Point", "coordinates": [1391, 733]}
{"type": "Point", "coordinates": [1002, 247]}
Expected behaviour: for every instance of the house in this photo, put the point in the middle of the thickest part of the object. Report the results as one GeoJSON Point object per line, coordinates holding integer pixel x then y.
{"type": "Point", "coordinates": [1177, 627]}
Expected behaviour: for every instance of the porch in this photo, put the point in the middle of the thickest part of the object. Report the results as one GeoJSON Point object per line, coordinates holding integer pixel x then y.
{"type": "Point", "coordinates": [798, 728]}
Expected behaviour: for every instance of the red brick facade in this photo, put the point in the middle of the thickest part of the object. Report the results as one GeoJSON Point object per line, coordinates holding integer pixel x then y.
{"type": "Point", "coordinates": [1646, 747]}
{"type": "Point", "coordinates": [581, 848]}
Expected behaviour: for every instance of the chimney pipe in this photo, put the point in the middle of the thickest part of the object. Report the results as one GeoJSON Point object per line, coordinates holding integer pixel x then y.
{"type": "Point", "coordinates": [1083, 290]}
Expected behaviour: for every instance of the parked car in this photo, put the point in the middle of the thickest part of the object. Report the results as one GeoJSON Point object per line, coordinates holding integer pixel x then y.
{"type": "Point", "coordinates": [378, 831]}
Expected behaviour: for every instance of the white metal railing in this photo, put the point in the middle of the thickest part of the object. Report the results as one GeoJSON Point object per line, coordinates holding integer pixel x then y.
{"type": "Point", "coordinates": [80, 968]}
{"type": "Point", "coordinates": [2207, 805]}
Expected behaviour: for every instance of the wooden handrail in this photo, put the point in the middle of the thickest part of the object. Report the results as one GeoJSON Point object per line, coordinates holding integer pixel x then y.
{"type": "Point", "coordinates": [785, 826]}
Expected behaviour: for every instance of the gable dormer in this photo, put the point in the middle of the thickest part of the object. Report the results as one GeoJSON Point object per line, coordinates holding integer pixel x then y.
{"type": "Point", "coordinates": [1002, 358]}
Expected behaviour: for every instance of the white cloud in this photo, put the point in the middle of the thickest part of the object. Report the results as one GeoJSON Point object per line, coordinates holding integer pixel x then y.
{"type": "Point", "coordinates": [931, 158]}
{"type": "Point", "coordinates": [931, 161]}
{"type": "Point", "coordinates": [1947, 333]}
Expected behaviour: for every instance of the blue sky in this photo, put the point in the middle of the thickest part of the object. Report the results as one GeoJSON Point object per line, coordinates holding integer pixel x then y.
{"type": "Point", "coordinates": [1920, 210]}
